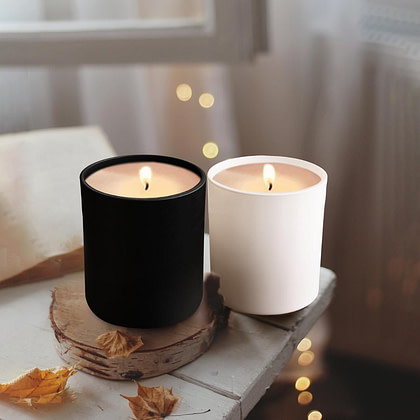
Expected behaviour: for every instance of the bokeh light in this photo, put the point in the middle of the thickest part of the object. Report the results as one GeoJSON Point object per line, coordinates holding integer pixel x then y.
{"type": "Point", "coordinates": [305, 344]}
{"type": "Point", "coordinates": [306, 358]}
{"type": "Point", "coordinates": [314, 415]}
{"type": "Point", "coordinates": [206, 100]}
{"type": "Point", "coordinates": [302, 383]}
{"type": "Point", "coordinates": [305, 398]}
{"type": "Point", "coordinates": [184, 92]}
{"type": "Point", "coordinates": [210, 150]}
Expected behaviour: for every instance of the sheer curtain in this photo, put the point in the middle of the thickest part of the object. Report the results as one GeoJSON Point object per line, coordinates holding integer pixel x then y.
{"type": "Point", "coordinates": [137, 105]}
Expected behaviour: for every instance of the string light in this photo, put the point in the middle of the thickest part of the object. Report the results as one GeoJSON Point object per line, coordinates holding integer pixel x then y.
{"type": "Point", "coordinates": [305, 344]}
{"type": "Point", "coordinates": [305, 398]}
{"type": "Point", "coordinates": [314, 415]}
{"type": "Point", "coordinates": [302, 383]}
{"type": "Point", "coordinates": [206, 100]}
{"type": "Point", "coordinates": [210, 150]}
{"type": "Point", "coordinates": [184, 92]}
{"type": "Point", "coordinates": [306, 358]}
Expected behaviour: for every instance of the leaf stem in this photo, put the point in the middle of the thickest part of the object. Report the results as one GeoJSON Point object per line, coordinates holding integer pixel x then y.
{"type": "Point", "coordinates": [189, 414]}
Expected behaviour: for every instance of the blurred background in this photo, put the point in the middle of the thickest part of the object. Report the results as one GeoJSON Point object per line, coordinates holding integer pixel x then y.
{"type": "Point", "coordinates": [335, 82]}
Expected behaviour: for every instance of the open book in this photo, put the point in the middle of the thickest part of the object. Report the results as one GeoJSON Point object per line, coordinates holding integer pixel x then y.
{"type": "Point", "coordinates": [40, 208]}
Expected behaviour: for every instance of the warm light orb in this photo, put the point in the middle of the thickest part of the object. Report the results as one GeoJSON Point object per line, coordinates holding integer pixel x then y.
{"type": "Point", "coordinates": [184, 92]}
{"type": "Point", "coordinates": [145, 174]}
{"type": "Point", "coordinates": [305, 344]}
{"type": "Point", "coordinates": [306, 358]}
{"type": "Point", "coordinates": [314, 415]}
{"type": "Point", "coordinates": [269, 175]}
{"type": "Point", "coordinates": [302, 383]}
{"type": "Point", "coordinates": [206, 100]}
{"type": "Point", "coordinates": [305, 398]}
{"type": "Point", "coordinates": [210, 150]}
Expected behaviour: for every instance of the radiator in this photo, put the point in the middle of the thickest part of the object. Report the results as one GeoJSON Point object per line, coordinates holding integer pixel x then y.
{"type": "Point", "coordinates": [376, 312]}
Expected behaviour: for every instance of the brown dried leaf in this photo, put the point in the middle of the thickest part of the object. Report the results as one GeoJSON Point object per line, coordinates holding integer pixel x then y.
{"type": "Point", "coordinates": [152, 403]}
{"type": "Point", "coordinates": [38, 386]}
{"type": "Point", "coordinates": [116, 343]}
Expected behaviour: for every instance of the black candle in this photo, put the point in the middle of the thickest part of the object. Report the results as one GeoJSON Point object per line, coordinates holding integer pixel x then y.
{"type": "Point", "coordinates": [143, 226]}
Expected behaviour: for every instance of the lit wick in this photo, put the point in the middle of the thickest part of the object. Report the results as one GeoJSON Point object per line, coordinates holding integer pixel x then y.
{"type": "Point", "coordinates": [145, 174]}
{"type": "Point", "coordinates": [269, 175]}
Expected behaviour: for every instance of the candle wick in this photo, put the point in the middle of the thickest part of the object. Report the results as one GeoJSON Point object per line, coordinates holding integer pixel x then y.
{"type": "Point", "coordinates": [146, 186]}
{"type": "Point", "coordinates": [270, 186]}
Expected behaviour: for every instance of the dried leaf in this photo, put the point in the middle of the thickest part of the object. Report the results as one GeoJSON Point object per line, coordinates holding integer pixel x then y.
{"type": "Point", "coordinates": [117, 343]}
{"type": "Point", "coordinates": [152, 403]}
{"type": "Point", "coordinates": [38, 386]}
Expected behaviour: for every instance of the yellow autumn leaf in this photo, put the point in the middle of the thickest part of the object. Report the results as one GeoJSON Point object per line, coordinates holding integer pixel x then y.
{"type": "Point", "coordinates": [116, 343]}
{"type": "Point", "coordinates": [38, 386]}
{"type": "Point", "coordinates": [152, 403]}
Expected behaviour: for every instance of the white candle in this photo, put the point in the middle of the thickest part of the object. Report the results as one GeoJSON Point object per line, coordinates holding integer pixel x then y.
{"type": "Point", "coordinates": [143, 179]}
{"type": "Point", "coordinates": [265, 222]}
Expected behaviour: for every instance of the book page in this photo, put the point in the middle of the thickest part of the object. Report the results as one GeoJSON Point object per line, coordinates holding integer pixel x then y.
{"type": "Point", "coordinates": [40, 205]}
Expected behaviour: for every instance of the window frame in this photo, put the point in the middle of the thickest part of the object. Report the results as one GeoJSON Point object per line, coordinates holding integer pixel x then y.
{"type": "Point", "coordinates": [232, 31]}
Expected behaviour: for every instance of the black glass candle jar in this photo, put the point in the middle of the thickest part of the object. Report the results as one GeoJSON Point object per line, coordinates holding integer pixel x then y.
{"type": "Point", "coordinates": [143, 227]}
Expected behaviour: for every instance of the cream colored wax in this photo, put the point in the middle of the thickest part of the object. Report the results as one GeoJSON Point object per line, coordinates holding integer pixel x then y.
{"type": "Point", "coordinates": [124, 180]}
{"type": "Point", "coordinates": [249, 177]}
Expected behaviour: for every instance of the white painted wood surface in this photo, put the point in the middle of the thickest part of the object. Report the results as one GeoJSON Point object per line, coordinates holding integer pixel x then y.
{"type": "Point", "coordinates": [245, 358]}
{"type": "Point", "coordinates": [229, 379]}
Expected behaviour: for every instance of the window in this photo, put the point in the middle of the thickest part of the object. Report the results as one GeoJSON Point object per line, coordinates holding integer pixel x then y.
{"type": "Point", "coordinates": [211, 30]}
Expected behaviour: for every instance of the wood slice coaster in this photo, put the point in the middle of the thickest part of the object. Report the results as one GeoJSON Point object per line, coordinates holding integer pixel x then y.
{"type": "Point", "coordinates": [165, 349]}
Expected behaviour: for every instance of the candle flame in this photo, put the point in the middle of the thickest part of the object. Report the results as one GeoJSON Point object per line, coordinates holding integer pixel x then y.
{"type": "Point", "coordinates": [145, 174]}
{"type": "Point", "coordinates": [269, 175]}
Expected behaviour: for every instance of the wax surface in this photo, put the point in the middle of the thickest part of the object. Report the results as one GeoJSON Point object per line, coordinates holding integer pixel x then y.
{"type": "Point", "coordinates": [249, 177]}
{"type": "Point", "coordinates": [123, 180]}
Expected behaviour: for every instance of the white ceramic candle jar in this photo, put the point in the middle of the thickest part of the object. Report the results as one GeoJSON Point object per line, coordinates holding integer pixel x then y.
{"type": "Point", "coordinates": [265, 223]}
